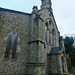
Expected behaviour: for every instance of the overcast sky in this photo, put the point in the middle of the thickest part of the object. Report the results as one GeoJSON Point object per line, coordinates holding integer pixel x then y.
{"type": "Point", "coordinates": [64, 11]}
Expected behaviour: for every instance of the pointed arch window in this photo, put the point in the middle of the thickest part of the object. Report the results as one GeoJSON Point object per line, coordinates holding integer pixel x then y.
{"type": "Point", "coordinates": [47, 32]}
{"type": "Point", "coordinates": [53, 37]}
{"type": "Point", "coordinates": [11, 44]}
{"type": "Point", "coordinates": [8, 46]}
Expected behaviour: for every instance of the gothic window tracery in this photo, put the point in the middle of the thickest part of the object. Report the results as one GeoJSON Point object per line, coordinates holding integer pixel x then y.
{"type": "Point", "coordinates": [11, 44]}
{"type": "Point", "coordinates": [47, 32]}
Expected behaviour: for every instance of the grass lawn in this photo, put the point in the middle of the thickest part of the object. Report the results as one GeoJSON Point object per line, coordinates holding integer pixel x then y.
{"type": "Point", "coordinates": [73, 68]}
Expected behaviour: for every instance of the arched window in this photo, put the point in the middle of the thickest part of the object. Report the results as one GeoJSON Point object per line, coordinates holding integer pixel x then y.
{"type": "Point", "coordinates": [53, 36]}
{"type": "Point", "coordinates": [11, 44]}
{"type": "Point", "coordinates": [8, 46]}
{"type": "Point", "coordinates": [47, 32]}
{"type": "Point", "coordinates": [14, 47]}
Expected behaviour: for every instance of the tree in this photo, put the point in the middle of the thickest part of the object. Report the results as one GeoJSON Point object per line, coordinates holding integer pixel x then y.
{"type": "Point", "coordinates": [68, 42]}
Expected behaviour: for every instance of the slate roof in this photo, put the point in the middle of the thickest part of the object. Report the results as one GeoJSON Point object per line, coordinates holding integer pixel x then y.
{"type": "Point", "coordinates": [13, 11]}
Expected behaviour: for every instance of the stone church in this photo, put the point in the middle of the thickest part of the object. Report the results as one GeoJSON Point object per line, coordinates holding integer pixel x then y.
{"type": "Point", "coordinates": [30, 43]}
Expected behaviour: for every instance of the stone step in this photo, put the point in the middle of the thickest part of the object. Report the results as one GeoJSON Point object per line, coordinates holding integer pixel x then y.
{"type": "Point", "coordinates": [41, 74]}
{"type": "Point", "coordinates": [59, 74]}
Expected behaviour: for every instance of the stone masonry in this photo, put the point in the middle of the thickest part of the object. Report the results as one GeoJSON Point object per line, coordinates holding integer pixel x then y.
{"type": "Point", "coordinates": [38, 34]}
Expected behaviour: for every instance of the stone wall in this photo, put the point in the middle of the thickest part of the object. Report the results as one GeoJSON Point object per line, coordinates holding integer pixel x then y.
{"type": "Point", "coordinates": [31, 54]}
{"type": "Point", "coordinates": [46, 14]}
{"type": "Point", "coordinates": [55, 67]}
{"type": "Point", "coordinates": [36, 61]}
{"type": "Point", "coordinates": [54, 63]}
{"type": "Point", "coordinates": [9, 21]}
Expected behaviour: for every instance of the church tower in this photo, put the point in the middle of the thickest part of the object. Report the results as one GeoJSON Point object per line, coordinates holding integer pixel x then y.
{"type": "Point", "coordinates": [46, 4]}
